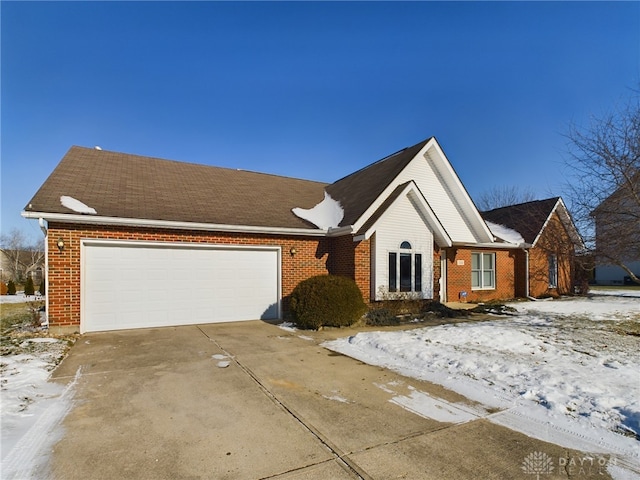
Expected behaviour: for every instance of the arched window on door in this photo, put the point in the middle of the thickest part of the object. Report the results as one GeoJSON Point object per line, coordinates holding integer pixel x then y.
{"type": "Point", "coordinates": [405, 269]}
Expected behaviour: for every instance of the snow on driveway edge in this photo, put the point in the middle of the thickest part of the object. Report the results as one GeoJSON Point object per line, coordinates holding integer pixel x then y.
{"type": "Point", "coordinates": [29, 455]}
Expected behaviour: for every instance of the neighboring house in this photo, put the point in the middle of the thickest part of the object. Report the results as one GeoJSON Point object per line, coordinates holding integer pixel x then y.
{"type": "Point", "coordinates": [617, 223]}
{"type": "Point", "coordinates": [135, 241]}
{"type": "Point", "coordinates": [552, 242]}
{"type": "Point", "coordinates": [16, 265]}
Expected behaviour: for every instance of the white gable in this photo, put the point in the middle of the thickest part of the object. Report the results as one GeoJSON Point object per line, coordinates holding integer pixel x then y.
{"type": "Point", "coordinates": [445, 194]}
{"type": "Point", "coordinates": [401, 222]}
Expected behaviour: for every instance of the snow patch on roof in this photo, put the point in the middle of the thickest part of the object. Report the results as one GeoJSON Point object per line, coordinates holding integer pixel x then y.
{"type": "Point", "coordinates": [327, 214]}
{"type": "Point", "coordinates": [76, 205]}
{"type": "Point", "coordinates": [505, 233]}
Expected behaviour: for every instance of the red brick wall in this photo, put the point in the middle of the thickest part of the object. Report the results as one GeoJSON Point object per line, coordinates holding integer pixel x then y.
{"type": "Point", "coordinates": [459, 276]}
{"type": "Point", "coordinates": [312, 256]}
{"type": "Point", "coordinates": [554, 240]}
{"type": "Point", "coordinates": [436, 272]}
{"type": "Point", "coordinates": [352, 259]}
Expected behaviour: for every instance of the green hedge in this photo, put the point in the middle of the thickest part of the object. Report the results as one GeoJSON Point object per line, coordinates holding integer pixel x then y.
{"type": "Point", "coordinates": [29, 288]}
{"type": "Point", "coordinates": [327, 300]}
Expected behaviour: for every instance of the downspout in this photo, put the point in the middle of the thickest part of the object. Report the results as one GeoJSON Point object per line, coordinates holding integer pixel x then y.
{"type": "Point", "coordinates": [526, 277]}
{"type": "Point", "coordinates": [43, 226]}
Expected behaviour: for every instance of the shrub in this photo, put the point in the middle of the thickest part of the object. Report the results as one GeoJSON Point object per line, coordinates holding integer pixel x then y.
{"type": "Point", "coordinates": [327, 300]}
{"type": "Point", "coordinates": [11, 288]}
{"type": "Point", "coordinates": [29, 289]}
{"type": "Point", "coordinates": [401, 303]}
{"type": "Point", "coordinates": [3, 288]}
{"type": "Point", "coordinates": [43, 287]}
{"type": "Point", "coordinates": [380, 317]}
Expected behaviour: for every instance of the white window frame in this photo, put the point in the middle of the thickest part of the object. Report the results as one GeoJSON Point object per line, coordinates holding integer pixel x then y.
{"type": "Point", "coordinates": [413, 254]}
{"type": "Point", "coordinates": [483, 270]}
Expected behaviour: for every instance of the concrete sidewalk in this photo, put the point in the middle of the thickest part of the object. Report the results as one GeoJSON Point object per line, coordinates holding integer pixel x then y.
{"type": "Point", "coordinates": [161, 403]}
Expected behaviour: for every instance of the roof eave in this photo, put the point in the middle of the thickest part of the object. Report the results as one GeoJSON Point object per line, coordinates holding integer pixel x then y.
{"type": "Point", "coordinates": [441, 236]}
{"type": "Point", "coordinates": [519, 246]}
{"type": "Point", "coordinates": [176, 225]}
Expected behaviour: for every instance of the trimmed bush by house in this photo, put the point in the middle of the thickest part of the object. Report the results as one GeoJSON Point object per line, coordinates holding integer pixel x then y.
{"type": "Point", "coordinates": [3, 288]}
{"type": "Point", "coordinates": [11, 288]}
{"type": "Point", "coordinates": [29, 288]}
{"type": "Point", "coordinates": [380, 317]}
{"type": "Point", "coordinates": [327, 300]}
{"type": "Point", "coordinates": [43, 287]}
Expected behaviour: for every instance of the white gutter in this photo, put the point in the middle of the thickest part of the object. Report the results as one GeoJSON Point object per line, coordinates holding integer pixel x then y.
{"type": "Point", "coordinates": [339, 231]}
{"type": "Point", "coordinates": [212, 227]}
{"type": "Point", "coordinates": [490, 245]}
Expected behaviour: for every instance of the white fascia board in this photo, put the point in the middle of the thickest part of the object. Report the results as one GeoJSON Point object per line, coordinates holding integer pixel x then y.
{"type": "Point", "coordinates": [495, 245]}
{"type": "Point", "coordinates": [565, 218]}
{"type": "Point", "coordinates": [441, 235]}
{"type": "Point", "coordinates": [570, 224]}
{"type": "Point", "coordinates": [340, 231]}
{"type": "Point", "coordinates": [458, 189]}
{"type": "Point", "coordinates": [142, 222]}
{"type": "Point", "coordinates": [544, 225]}
{"type": "Point", "coordinates": [377, 203]}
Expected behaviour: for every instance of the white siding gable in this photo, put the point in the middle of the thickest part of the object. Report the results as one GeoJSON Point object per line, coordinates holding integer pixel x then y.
{"type": "Point", "coordinates": [445, 194]}
{"type": "Point", "coordinates": [402, 222]}
{"type": "Point", "coordinates": [440, 197]}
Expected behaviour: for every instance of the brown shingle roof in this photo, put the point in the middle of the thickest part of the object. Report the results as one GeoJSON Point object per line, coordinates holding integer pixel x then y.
{"type": "Point", "coordinates": [525, 218]}
{"type": "Point", "coordinates": [356, 192]}
{"type": "Point", "coordinates": [132, 186]}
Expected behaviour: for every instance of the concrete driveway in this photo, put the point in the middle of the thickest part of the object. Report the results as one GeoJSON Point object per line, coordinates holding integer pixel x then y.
{"type": "Point", "coordinates": [160, 403]}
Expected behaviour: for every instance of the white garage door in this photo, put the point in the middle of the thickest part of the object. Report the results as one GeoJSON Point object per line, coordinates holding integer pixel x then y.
{"type": "Point", "coordinates": [137, 285]}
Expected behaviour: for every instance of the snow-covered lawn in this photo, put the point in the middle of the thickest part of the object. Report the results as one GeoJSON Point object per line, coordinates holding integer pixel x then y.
{"type": "Point", "coordinates": [19, 297]}
{"type": "Point", "coordinates": [31, 407]}
{"type": "Point", "coordinates": [565, 371]}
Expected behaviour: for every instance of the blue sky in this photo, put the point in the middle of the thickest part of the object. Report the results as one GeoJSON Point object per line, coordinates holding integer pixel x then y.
{"type": "Point", "coordinates": [309, 90]}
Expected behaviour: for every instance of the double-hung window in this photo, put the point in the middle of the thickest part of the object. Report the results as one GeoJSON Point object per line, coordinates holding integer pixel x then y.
{"type": "Point", "coordinates": [553, 271]}
{"type": "Point", "coordinates": [483, 271]}
{"type": "Point", "coordinates": [405, 270]}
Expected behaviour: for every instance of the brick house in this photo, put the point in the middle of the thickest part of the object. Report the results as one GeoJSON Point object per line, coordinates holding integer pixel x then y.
{"type": "Point", "coordinates": [134, 241]}
{"type": "Point", "coordinates": [551, 240]}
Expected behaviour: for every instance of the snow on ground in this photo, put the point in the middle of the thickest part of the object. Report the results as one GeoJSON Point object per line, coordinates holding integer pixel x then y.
{"type": "Point", "coordinates": [20, 297]}
{"type": "Point", "coordinates": [565, 371]}
{"type": "Point", "coordinates": [617, 293]}
{"type": "Point", "coordinates": [31, 407]}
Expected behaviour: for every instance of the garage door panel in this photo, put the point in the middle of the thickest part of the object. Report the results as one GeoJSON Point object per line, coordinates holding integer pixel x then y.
{"type": "Point", "coordinates": [134, 286]}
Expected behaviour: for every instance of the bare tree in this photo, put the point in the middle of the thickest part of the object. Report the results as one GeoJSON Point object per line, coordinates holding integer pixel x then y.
{"type": "Point", "coordinates": [20, 257]}
{"type": "Point", "coordinates": [604, 184]}
{"type": "Point", "coordinates": [504, 196]}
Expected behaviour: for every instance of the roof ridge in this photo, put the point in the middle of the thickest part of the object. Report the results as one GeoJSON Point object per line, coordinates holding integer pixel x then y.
{"type": "Point", "coordinates": [387, 157]}
{"type": "Point", "coordinates": [555, 199]}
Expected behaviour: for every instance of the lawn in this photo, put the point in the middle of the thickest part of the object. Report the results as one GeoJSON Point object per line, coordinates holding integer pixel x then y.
{"type": "Point", "coordinates": [13, 315]}
{"type": "Point", "coordinates": [564, 371]}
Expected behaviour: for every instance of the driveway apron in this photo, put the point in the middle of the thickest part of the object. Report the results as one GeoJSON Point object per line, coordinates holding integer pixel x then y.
{"type": "Point", "coordinates": [250, 400]}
